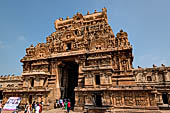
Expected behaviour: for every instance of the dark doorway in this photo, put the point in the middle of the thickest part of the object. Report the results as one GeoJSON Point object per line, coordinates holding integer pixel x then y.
{"type": "Point", "coordinates": [97, 79]}
{"type": "Point", "coordinates": [69, 80]}
{"type": "Point", "coordinates": [30, 99]}
{"type": "Point", "coordinates": [98, 100]}
{"type": "Point", "coordinates": [68, 46]}
{"type": "Point", "coordinates": [32, 82]}
{"type": "Point", "coordinates": [165, 98]}
{"type": "Point", "coordinates": [1, 95]}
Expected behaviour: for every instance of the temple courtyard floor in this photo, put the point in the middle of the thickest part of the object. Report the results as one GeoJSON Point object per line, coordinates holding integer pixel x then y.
{"type": "Point", "coordinates": [116, 111]}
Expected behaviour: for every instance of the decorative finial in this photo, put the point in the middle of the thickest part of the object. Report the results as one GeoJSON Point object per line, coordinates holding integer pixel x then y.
{"type": "Point", "coordinates": [78, 13]}
{"type": "Point", "coordinates": [67, 18]}
{"type": "Point", "coordinates": [121, 30]}
{"type": "Point", "coordinates": [88, 12]}
{"type": "Point", "coordinates": [60, 19]}
{"type": "Point", "coordinates": [162, 65]}
{"type": "Point", "coordinates": [154, 65]}
{"type": "Point", "coordinates": [139, 67]}
{"type": "Point", "coordinates": [104, 9]}
{"type": "Point", "coordinates": [31, 45]}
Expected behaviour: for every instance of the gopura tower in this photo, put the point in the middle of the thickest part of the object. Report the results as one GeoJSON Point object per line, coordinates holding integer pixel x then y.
{"type": "Point", "coordinates": [84, 61]}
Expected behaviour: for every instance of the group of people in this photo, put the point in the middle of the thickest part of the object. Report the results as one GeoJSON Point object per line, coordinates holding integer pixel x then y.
{"type": "Point", "coordinates": [65, 104]}
{"type": "Point", "coordinates": [35, 107]}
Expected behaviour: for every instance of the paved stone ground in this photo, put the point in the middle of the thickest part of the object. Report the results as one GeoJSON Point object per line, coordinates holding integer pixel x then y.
{"type": "Point", "coordinates": [59, 110]}
{"type": "Point", "coordinates": [116, 111]}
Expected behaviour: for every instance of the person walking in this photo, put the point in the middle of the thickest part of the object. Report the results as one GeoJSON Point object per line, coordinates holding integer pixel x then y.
{"type": "Point", "coordinates": [68, 106]}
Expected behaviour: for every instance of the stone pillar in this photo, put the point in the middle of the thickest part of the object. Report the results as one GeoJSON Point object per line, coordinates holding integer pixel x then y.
{"type": "Point", "coordinates": [160, 100]}
{"type": "Point", "coordinates": [81, 63]}
{"type": "Point", "coordinates": [55, 71]}
{"type": "Point", "coordinates": [168, 97]}
{"type": "Point", "coordinates": [58, 74]}
{"type": "Point", "coordinates": [148, 99]}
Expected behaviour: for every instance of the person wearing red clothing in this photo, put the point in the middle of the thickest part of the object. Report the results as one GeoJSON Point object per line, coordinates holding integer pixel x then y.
{"type": "Point", "coordinates": [41, 104]}
{"type": "Point", "coordinates": [68, 106]}
{"type": "Point", "coordinates": [40, 108]}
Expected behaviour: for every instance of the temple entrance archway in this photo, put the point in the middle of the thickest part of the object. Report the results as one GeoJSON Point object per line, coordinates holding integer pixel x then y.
{"type": "Point", "coordinates": [69, 80]}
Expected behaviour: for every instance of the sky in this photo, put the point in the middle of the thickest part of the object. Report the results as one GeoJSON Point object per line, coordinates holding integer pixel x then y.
{"type": "Point", "coordinates": [26, 22]}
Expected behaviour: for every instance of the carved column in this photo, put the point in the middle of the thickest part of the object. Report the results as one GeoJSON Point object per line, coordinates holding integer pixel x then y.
{"type": "Point", "coordinates": [160, 100]}
{"type": "Point", "coordinates": [81, 63]}
{"type": "Point", "coordinates": [156, 76]}
{"type": "Point", "coordinates": [168, 98]}
{"type": "Point", "coordinates": [148, 99]}
{"type": "Point", "coordinates": [55, 71]}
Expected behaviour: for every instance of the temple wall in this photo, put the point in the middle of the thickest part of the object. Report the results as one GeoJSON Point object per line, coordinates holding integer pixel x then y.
{"type": "Point", "coordinates": [118, 99]}
{"type": "Point", "coordinates": [156, 78]}
{"type": "Point", "coordinates": [10, 81]}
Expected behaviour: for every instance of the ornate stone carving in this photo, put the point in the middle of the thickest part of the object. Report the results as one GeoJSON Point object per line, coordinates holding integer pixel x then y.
{"type": "Point", "coordinates": [141, 99]}
{"type": "Point", "coordinates": [128, 99]}
{"type": "Point", "coordinates": [84, 59]}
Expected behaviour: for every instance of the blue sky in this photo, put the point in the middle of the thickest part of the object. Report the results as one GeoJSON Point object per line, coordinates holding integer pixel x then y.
{"type": "Point", "coordinates": [26, 22]}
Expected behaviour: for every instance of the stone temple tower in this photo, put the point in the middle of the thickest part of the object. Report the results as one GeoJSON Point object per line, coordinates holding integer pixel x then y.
{"type": "Point", "coordinates": [83, 61]}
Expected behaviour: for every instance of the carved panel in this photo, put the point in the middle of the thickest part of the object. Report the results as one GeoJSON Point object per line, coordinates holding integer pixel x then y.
{"type": "Point", "coordinates": [128, 99]}
{"type": "Point", "coordinates": [89, 100]}
{"type": "Point", "coordinates": [140, 77]}
{"type": "Point", "coordinates": [141, 99]}
{"type": "Point", "coordinates": [160, 76]}
{"type": "Point", "coordinates": [105, 79]}
{"type": "Point", "coordinates": [88, 80]}
{"type": "Point", "coordinates": [118, 99]}
{"type": "Point", "coordinates": [152, 100]}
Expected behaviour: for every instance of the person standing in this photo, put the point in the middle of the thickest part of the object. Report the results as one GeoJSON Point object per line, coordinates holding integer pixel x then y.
{"type": "Point", "coordinates": [0, 107]}
{"type": "Point", "coordinates": [68, 106]}
{"type": "Point", "coordinates": [57, 103]}
{"type": "Point", "coordinates": [65, 105]}
{"type": "Point", "coordinates": [40, 107]}
{"type": "Point", "coordinates": [61, 102]}
{"type": "Point", "coordinates": [26, 108]}
{"type": "Point", "coordinates": [33, 107]}
{"type": "Point", "coordinates": [37, 109]}
{"type": "Point", "coordinates": [29, 109]}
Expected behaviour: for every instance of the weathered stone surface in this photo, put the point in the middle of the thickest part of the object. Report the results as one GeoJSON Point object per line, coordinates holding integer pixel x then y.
{"type": "Point", "coordinates": [84, 61]}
